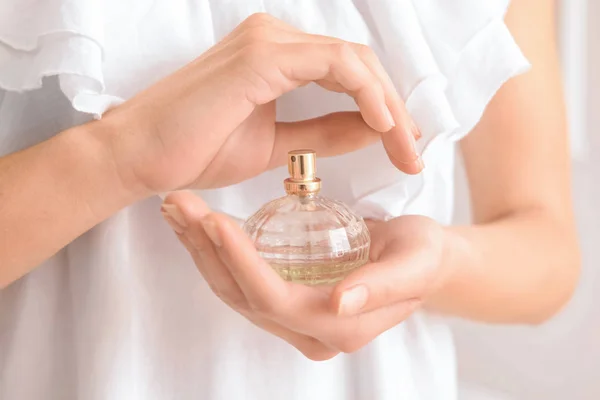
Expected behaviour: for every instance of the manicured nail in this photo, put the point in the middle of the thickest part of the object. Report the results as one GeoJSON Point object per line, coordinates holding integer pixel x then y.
{"type": "Point", "coordinates": [415, 153]}
{"type": "Point", "coordinates": [389, 117]}
{"type": "Point", "coordinates": [174, 217]}
{"type": "Point", "coordinates": [416, 131]}
{"type": "Point", "coordinates": [413, 143]}
{"type": "Point", "coordinates": [210, 227]}
{"type": "Point", "coordinates": [174, 225]}
{"type": "Point", "coordinates": [420, 164]}
{"type": "Point", "coordinates": [353, 300]}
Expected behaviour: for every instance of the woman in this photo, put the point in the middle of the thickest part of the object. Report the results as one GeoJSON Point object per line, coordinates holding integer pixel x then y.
{"type": "Point", "coordinates": [115, 311]}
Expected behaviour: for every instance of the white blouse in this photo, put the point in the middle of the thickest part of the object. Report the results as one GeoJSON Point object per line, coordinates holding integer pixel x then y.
{"type": "Point", "coordinates": [121, 312]}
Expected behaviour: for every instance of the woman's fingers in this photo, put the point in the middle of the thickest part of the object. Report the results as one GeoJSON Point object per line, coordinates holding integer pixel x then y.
{"type": "Point", "coordinates": [400, 140]}
{"type": "Point", "coordinates": [233, 268]}
{"type": "Point", "coordinates": [329, 135]}
{"type": "Point", "coordinates": [349, 334]}
{"type": "Point", "coordinates": [307, 310]}
{"type": "Point", "coordinates": [264, 290]}
{"type": "Point", "coordinates": [184, 212]}
{"type": "Point", "coordinates": [405, 254]}
{"type": "Point", "coordinates": [298, 314]}
{"type": "Point", "coordinates": [368, 302]}
{"type": "Point", "coordinates": [282, 58]}
{"type": "Point", "coordinates": [279, 68]}
{"type": "Point", "coordinates": [297, 307]}
{"type": "Point", "coordinates": [379, 285]}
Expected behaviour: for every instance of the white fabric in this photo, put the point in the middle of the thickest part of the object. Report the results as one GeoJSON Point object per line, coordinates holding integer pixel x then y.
{"type": "Point", "coordinates": [560, 359]}
{"type": "Point", "coordinates": [573, 40]}
{"type": "Point", "coordinates": [121, 313]}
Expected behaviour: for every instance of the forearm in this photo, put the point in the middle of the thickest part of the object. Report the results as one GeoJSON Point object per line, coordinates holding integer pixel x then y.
{"type": "Point", "coordinates": [517, 269]}
{"type": "Point", "coordinates": [519, 262]}
{"type": "Point", "coordinates": [53, 192]}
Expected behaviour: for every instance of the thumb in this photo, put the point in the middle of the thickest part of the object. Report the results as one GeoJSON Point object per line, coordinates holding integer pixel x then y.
{"type": "Point", "coordinates": [405, 258]}
{"type": "Point", "coordinates": [379, 285]}
{"type": "Point", "coordinates": [340, 133]}
{"type": "Point", "coordinates": [329, 135]}
{"type": "Point", "coordinates": [401, 149]}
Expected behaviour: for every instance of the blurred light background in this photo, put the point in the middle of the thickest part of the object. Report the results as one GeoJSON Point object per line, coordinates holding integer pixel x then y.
{"type": "Point", "coordinates": [559, 360]}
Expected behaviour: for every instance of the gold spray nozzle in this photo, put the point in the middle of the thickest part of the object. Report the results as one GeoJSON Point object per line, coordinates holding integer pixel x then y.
{"type": "Point", "coordinates": [302, 165]}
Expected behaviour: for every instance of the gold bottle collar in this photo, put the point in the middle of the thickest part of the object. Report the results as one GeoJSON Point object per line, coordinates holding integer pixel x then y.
{"type": "Point", "coordinates": [302, 166]}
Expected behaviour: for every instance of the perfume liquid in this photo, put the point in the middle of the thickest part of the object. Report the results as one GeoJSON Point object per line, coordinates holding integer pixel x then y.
{"type": "Point", "coordinates": [319, 274]}
{"type": "Point", "coordinates": [306, 238]}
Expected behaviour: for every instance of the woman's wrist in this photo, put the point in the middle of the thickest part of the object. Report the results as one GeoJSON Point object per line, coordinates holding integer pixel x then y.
{"type": "Point", "coordinates": [458, 258]}
{"type": "Point", "coordinates": [518, 269]}
{"type": "Point", "coordinates": [98, 154]}
{"type": "Point", "coordinates": [59, 189]}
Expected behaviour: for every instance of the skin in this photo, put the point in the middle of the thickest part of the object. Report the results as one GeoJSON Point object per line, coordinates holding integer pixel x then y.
{"type": "Point", "coordinates": [518, 262]}
{"type": "Point", "coordinates": [193, 129]}
{"type": "Point", "coordinates": [521, 259]}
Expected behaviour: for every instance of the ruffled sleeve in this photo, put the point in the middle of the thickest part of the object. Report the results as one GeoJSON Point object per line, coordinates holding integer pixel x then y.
{"type": "Point", "coordinates": [448, 59]}
{"type": "Point", "coordinates": [55, 37]}
{"type": "Point", "coordinates": [103, 51]}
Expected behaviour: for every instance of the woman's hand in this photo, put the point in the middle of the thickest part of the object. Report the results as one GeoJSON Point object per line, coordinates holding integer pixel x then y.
{"type": "Point", "coordinates": [212, 123]}
{"type": "Point", "coordinates": [319, 321]}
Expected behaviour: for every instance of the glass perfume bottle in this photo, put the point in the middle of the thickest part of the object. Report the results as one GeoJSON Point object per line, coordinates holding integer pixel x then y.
{"type": "Point", "coordinates": [306, 238]}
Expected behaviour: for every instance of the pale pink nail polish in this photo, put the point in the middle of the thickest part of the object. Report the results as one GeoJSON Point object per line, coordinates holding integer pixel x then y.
{"type": "Point", "coordinates": [420, 163]}
{"type": "Point", "coordinates": [174, 225]}
{"type": "Point", "coordinates": [416, 132]}
{"type": "Point", "coordinates": [389, 117]}
{"type": "Point", "coordinates": [176, 218]}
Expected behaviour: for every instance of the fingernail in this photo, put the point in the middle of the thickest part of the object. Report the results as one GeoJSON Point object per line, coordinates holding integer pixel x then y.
{"type": "Point", "coordinates": [416, 156]}
{"type": "Point", "coordinates": [174, 225]}
{"type": "Point", "coordinates": [389, 117]}
{"type": "Point", "coordinates": [420, 163]}
{"type": "Point", "coordinates": [210, 227]}
{"type": "Point", "coordinates": [174, 217]}
{"type": "Point", "coordinates": [416, 131]}
{"type": "Point", "coordinates": [353, 300]}
{"type": "Point", "coordinates": [413, 140]}
{"type": "Point", "coordinates": [413, 143]}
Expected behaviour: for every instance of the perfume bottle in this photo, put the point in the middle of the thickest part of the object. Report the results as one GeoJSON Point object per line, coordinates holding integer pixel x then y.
{"type": "Point", "coordinates": [306, 238]}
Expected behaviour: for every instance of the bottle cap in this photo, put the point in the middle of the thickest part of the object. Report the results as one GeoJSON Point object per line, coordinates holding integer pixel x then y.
{"type": "Point", "coordinates": [302, 165]}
